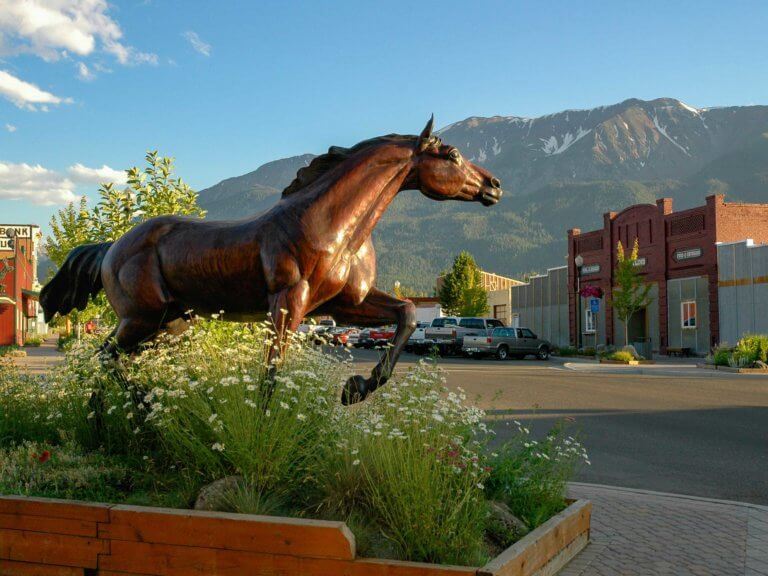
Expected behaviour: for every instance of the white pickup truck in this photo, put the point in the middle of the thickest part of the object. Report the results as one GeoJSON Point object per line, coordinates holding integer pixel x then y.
{"type": "Point", "coordinates": [448, 332]}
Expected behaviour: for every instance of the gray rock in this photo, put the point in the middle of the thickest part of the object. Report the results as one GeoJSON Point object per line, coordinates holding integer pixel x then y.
{"type": "Point", "coordinates": [504, 528]}
{"type": "Point", "coordinates": [760, 364]}
{"type": "Point", "coordinates": [216, 496]}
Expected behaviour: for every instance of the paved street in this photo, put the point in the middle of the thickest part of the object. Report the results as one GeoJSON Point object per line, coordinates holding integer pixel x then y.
{"type": "Point", "coordinates": [680, 429]}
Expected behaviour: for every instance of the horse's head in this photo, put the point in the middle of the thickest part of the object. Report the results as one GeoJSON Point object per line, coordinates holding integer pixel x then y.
{"type": "Point", "coordinates": [442, 173]}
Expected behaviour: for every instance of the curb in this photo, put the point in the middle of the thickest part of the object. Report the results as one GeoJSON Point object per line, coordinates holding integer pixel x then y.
{"type": "Point", "coordinates": [640, 491]}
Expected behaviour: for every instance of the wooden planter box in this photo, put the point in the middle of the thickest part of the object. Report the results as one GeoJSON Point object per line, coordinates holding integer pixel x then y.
{"type": "Point", "coordinates": [628, 363]}
{"type": "Point", "coordinates": [46, 537]}
{"type": "Point", "coordinates": [733, 370]}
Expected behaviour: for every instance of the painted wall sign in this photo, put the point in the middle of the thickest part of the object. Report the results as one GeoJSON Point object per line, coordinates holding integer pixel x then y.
{"type": "Point", "coordinates": [590, 269]}
{"type": "Point", "coordinates": [21, 231]}
{"type": "Point", "coordinates": [687, 254]}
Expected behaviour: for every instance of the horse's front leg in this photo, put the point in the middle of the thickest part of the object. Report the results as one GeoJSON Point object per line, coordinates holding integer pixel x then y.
{"type": "Point", "coordinates": [287, 308]}
{"type": "Point", "coordinates": [377, 309]}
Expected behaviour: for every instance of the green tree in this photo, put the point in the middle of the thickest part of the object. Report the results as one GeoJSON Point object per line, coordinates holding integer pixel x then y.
{"type": "Point", "coordinates": [630, 293]}
{"type": "Point", "coordinates": [462, 292]}
{"type": "Point", "coordinates": [150, 192]}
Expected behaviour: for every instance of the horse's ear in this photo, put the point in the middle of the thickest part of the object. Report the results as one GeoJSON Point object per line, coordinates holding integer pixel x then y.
{"type": "Point", "coordinates": [425, 138]}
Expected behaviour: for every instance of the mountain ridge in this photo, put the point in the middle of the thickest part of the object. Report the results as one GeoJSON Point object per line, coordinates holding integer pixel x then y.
{"type": "Point", "coordinates": [559, 171]}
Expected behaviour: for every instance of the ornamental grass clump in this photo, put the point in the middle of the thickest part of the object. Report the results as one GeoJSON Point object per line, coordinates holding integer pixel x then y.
{"type": "Point", "coordinates": [410, 459]}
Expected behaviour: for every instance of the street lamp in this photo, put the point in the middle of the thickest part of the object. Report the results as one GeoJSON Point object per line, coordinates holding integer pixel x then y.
{"type": "Point", "coordinates": [579, 262]}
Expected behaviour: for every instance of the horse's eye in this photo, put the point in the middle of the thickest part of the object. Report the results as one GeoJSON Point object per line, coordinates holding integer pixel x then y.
{"type": "Point", "coordinates": [454, 155]}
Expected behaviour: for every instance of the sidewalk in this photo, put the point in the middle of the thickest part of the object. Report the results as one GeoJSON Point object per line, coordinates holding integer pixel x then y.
{"type": "Point", "coordinates": [641, 533]}
{"type": "Point", "coordinates": [39, 360]}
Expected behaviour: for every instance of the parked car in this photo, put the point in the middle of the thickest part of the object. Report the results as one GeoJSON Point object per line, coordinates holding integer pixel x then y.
{"type": "Point", "coordinates": [448, 333]}
{"type": "Point", "coordinates": [418, 342]}
{"type": "Point", "coordinates": [376, 337]}
{"type": "Point", "coordinates": [362, 338]}
{"type": "Point", "coordinates": [340, 336]}
{"type": "Point", "coordinates": [506, 342]}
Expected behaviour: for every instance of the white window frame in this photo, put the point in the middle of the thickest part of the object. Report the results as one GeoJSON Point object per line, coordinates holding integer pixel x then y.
{"type": "Point", "coordinates": [694, 316]}
{"type": "Point", "coordinates": [589, 321]}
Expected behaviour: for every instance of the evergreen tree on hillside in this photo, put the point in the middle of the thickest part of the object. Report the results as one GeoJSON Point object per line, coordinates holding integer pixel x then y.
{"type": "Point", "coordinates": [462, 292]}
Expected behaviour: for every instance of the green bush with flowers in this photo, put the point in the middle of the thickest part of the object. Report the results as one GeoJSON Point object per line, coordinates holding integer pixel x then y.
{"type": "Point", "coordinates": [411, 470]}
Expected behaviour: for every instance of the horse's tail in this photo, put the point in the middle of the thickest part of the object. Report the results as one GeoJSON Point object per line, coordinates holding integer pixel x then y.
{"type": "Point", "coordinates": [77, 279]}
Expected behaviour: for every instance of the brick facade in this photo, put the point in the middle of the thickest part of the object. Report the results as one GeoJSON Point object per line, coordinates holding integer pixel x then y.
{"type": "Point", "coordinates": [674, 246]}
{"type": "Point", "coordinates": [18, 280]}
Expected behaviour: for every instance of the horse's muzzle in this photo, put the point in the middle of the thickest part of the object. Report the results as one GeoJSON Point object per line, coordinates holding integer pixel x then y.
{"type": "Point", "coordinates": [491, 196]}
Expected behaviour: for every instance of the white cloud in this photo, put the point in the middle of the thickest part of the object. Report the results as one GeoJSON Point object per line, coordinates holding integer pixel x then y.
{"type": "Point", "coordinates": [10, 127]}
{"type": "Point", "coordinates": [83, 174]}
{"type": "Point", "coordinates": [197, 43]}
{"type": "Point", "coordinates": [36, 184]}
{"type": "Point", "coordinates": [26, 95]}
{"type": "Point", "coordinates": [84, 73]}
{"type": "Point", "coordinates": [52, 29]}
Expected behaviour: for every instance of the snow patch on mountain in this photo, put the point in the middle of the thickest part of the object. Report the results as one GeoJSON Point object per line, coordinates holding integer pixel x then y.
{"type": "Point", "coordinates": [552, 146]}
{"type": "Point", "coordinates": [690, 109]}
{"type": "Point", "coordinates": [663, 131]}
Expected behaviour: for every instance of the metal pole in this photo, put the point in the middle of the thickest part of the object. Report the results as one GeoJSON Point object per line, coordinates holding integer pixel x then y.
{"type": "Point", "coordinates": [578, 308]}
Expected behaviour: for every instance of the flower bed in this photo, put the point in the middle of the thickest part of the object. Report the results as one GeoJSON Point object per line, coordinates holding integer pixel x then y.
{"type": "Point", "coordinates": [409, 471]}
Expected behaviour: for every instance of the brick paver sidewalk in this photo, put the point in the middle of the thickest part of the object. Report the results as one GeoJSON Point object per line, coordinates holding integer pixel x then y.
{"type": "Point", "coordinates": [639, 533]}
{"type": "Point", "coordinates": [40, 360]}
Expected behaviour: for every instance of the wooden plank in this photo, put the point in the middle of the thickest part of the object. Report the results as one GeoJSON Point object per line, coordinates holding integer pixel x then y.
{"type": "Point", "coordinates": [54, 549]}
{"type": "Point", "coordinates": [46, 524]}
{"type": "Point", "coordinates": [534, 551]}
{"type": "Point", "coordinates": [269, 535]}
{"type": "Point", "coordinates": [52, 508]}
{"type": "Point", "coordinates": [9, 568]}
{"type": "Point", "coordinates": [565, 555]}
{"type": "Point", "coordinates": [169, 560]}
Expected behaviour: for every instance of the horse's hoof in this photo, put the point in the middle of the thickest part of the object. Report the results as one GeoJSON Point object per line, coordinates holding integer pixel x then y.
{"type": "Point", "coordinates": [355, 390]}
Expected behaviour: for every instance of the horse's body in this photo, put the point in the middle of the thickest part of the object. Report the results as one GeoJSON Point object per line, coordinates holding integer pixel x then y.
{"type": "Point", "coordinates": [311, 253]}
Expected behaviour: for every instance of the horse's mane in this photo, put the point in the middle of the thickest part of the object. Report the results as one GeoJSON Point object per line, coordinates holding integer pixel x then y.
{"type": "Point", "coordinates": [335, 156]}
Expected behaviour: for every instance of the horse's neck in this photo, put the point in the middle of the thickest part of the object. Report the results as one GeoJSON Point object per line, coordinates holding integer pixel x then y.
{"type": "Point", "coordinates": [353, 205]}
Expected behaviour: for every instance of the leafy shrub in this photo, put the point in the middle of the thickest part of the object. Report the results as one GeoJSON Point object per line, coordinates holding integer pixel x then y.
{"type": "Point", "coordinates": [33, 341]}
{"type": "Point", "coordinates": [9, 350]}
{"type": "Point", "coordinates": [752, 348]}
{"type": "Point", "coordinates": [64, 342]}
{"type": "Point", "coordinates": [721, 355]}
{"type": "Point", "coordinates": [621, 356]}
{"type": "Point", "coordinates": [567, 351]}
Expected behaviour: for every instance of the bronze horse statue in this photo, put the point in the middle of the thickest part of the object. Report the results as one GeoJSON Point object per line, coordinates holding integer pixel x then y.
{"type": "Point", "coordinates": [310, 254]}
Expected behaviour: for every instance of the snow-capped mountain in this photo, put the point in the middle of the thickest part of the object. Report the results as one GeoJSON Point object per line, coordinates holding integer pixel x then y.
{"type": "Point", "coordinates": [635, 139]}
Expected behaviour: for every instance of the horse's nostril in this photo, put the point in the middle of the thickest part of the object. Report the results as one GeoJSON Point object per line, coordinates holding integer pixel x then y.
{"type": "Point", "coordinates": [495, 182]}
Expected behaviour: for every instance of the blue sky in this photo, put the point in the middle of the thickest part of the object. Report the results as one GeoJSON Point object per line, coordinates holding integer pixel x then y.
{"type": "Point", "coordinates": [86, 86]}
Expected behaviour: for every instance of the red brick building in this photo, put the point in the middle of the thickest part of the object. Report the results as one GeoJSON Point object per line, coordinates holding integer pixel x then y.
{"type": "Point", "coordinates": [18, 282]}
{"type": "Point", "coordinates": [678, 257]}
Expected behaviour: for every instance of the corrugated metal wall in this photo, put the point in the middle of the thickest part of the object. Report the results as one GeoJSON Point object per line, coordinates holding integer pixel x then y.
{"type": "Point", "coordinates": [542, 305]}
{"type": "Point", "coordinates": [742, 290]}
{"type": "Point", "coordinates": [695, 289]}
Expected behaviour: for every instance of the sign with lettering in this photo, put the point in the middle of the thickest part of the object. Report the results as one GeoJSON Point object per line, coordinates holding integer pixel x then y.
{"type": "Point", "coordinates": [21, 231]}
{"type": "Point", "coordinates": [687, 254]}
{"type": "Point", "coordinates": [639, 263]}
{"type": "Point", "coordinates": [590, 269]}
{"type": "Point", "coordinates": [594, 305]}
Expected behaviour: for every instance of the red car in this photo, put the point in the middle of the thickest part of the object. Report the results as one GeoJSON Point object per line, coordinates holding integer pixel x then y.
{"type": "Point", "coordinates": [381, 336]}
